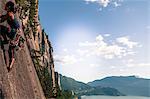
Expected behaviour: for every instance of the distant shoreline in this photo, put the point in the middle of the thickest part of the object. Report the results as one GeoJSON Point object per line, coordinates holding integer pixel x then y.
{"type": "Point", "coordinates": [113, 97]}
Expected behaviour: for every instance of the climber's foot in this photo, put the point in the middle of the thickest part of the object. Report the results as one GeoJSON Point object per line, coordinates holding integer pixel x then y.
{"type": "Point", "coordinates": [8, 68]}
{"type": "Point", "coordinates": [11, 65]}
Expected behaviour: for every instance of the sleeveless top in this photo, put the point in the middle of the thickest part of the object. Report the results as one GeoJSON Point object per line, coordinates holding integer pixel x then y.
{"type": "Point", "coordinates": [13, 23]}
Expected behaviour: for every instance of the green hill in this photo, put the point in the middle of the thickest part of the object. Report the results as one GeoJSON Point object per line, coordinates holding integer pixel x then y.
{"type": "Point", "coordinates": [129, 85]}
{"type": "Point", "coordinates": [81, 88]}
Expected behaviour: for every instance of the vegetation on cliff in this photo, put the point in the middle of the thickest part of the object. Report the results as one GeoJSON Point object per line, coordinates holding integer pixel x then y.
{"type": "Point", "coordinates": [41, 50]}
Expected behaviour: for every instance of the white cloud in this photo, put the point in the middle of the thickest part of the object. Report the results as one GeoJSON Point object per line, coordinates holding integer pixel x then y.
{"type": "Point", "coordinates": [138, 64]}
{"type": "Point", "coordinates": [116, 4]}
{"type": "Point", "coordinates": [105, 3]}
{"type": "Point", "coordinates": [121, 70]}
{"type": "Point", "coordinates": [113, 67]}
{"type": "Point", "coordinates": [109, 56]}
{"type": "Point", "coordinates": [106, 35]}
{"type": "Point", "coordinates": [66, 59]}
{"type": "Point", "coordinates": [133, 63]}
{"type": "Point", "coordinates": [65, 50]}
{"type": "Point", "coordinates": [108, 51]}
{"type": "Point", "coordinates": [99, 49]}
{"type": "Point", "coordinates": [127, 42]}
{"type": "Point", "coordinates": [99, 38]}
{"type": "Point", "coordinates": [82, 52]}
{"type": "Point", "coordinates": [94, 65]}
{"type": "Point", "coordinates": [69, 59]}
{"type": "Point", "coordinates": [130, 60]}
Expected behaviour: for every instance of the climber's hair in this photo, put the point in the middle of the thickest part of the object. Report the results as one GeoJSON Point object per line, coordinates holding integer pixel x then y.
{"type": "Point", "coordinates": [11, 6]}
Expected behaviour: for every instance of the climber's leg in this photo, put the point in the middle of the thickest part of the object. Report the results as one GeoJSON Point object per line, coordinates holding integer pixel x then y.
{"type": "Point", "coordinates": [12, 57]}
{"type": "Point", "coordinates": [11, 64]}
{"type": "Point", "coordinates": [6, 54]}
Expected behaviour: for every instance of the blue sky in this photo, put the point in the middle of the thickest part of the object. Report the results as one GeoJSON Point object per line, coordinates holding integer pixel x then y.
{"type": "Point", "coordinates": [93, 39]}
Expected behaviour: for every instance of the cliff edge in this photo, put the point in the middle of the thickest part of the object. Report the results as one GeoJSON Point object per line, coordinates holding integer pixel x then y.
{"type": "Point", "coordinates": [33, 75]}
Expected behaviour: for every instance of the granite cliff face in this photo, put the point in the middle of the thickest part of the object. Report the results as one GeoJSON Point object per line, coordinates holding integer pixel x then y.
{"type": "Point", "coordinates": [33, 75]}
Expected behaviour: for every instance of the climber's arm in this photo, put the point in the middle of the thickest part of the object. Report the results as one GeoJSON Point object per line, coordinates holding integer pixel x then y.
{"type": "Point", "coordinates": [11, 15]}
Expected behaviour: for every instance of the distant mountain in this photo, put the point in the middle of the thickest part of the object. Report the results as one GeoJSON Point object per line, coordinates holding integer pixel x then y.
{"type": "Point", "coordinates": [68, 83]}
{"type": "Point", "coordinates": [81, 88]}
{"type": "Point", "coordinates": [129, 85]}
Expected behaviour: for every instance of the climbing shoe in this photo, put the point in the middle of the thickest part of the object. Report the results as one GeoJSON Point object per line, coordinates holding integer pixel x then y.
{"type": "Point", "coordinates": [11, 65]}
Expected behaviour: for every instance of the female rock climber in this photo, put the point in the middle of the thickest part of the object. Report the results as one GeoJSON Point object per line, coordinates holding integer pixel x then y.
{"type": "Point", "coordinates": [10, 35]}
